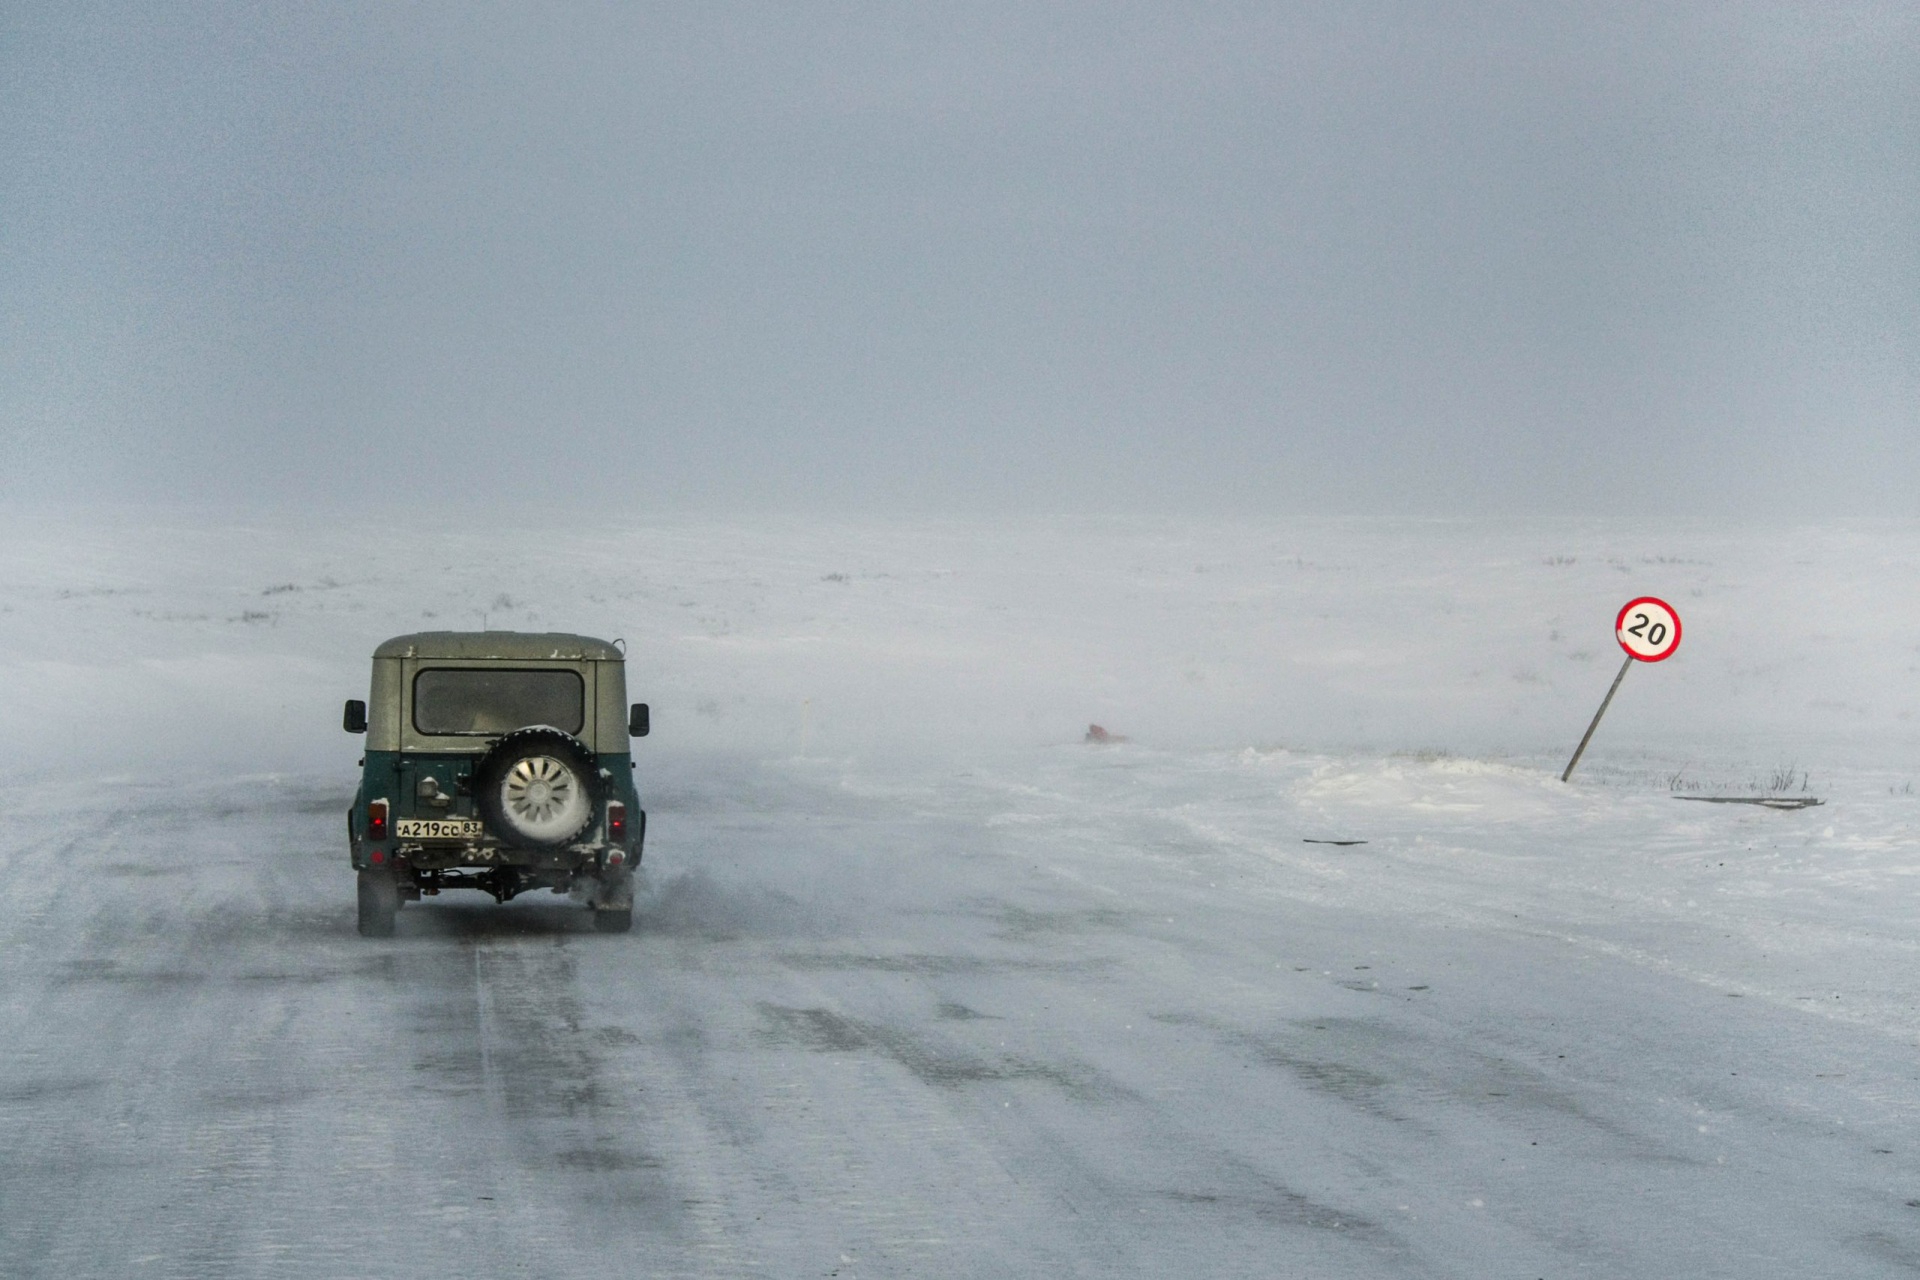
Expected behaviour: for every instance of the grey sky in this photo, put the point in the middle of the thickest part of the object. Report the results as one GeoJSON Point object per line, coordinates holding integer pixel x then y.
{"type": "Point", "coordinates": [1443, 258]}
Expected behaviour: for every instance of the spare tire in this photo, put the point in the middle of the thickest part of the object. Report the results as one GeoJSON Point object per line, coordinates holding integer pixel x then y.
{"type": "Point", "coordinates": [537, 788]}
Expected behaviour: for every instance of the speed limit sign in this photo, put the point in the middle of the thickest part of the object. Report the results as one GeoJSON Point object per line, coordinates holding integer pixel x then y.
{"type": "Point", "coordinates": [1648, 629]}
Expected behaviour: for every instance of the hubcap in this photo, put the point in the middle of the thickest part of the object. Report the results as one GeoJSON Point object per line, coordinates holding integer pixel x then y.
{"type": "Point", "coordinates": [542, 797]}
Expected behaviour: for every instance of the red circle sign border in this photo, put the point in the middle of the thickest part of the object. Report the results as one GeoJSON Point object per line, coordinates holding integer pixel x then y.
{"type": "Point", "coordinates": [1671, 613]}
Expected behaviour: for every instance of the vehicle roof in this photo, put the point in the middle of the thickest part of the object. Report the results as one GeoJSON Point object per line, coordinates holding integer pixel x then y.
{"type": "Point", "coordinates": [558, 646]}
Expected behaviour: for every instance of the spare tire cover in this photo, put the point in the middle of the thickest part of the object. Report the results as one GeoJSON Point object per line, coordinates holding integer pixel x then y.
{"type": "Point", "coordinates": [537, 788]}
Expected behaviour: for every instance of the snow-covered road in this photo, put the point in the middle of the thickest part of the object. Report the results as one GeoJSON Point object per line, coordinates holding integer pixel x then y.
{"type": "Point", "coordinates": [1091, 1011]}
{"type": "Point", "coordinates": [921, 985]}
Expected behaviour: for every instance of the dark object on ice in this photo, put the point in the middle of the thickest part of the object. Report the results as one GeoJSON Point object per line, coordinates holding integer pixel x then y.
{"type": "Point", "coordinates": [1765, 802]}
{"type": "Point", "coordinates": [1096, 734]}
{"type": "Point", "coordinates": [1342, 843]}
{"type": "Point", "coordinates": [494, 762]}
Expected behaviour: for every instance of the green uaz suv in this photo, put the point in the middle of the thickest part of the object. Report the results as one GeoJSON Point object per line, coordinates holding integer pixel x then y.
{"type": "Point", "coordinates": [496, 760]}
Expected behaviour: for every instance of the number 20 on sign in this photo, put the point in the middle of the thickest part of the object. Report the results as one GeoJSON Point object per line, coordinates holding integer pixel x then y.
{"type": "Point", "coordinates": [1649, 630]}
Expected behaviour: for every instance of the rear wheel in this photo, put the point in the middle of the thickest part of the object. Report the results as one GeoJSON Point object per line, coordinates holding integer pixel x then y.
{"type": "Point", "coordinates": [615, 921]}
{"type": "Point", "coordinates": [379, 899]}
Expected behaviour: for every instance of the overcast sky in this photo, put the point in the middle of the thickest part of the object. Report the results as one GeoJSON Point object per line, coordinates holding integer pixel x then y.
{"type": "Point", "coordinates": [1434, 258]}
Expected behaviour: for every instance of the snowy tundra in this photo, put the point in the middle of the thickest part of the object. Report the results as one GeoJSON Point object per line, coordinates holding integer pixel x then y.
{"type": "Point", "coordinates": [924, 984]}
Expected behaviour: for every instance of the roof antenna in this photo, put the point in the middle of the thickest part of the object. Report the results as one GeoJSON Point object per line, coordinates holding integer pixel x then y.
{"type": "Point", "coordinates": [620, 643]}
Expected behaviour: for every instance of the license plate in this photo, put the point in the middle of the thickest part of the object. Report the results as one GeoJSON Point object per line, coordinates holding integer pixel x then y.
{"type": "Point", "coordinates": [437, 828]}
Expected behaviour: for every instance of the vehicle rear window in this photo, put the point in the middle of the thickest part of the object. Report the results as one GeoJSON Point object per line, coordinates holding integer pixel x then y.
{"type": "Point", "coordinates": [460, 702]}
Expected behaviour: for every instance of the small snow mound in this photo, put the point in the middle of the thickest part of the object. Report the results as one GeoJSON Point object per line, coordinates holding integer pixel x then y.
{"type": "Point", "coordinates": [1265, 755]}
{"type": "Point", "coordinates": [1463, 766]}
{"type": "Point", "coordinates": [1444, 785]}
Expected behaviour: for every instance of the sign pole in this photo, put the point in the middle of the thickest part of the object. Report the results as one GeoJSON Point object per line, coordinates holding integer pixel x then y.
{"type": "Point", "coordinates": [1604, 703]}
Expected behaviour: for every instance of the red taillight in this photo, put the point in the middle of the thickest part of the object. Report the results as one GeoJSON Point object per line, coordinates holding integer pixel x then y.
{"type": "Point", "coordinates": [376, 820]}
{"type": "Point", "coordinates": [616, 821]}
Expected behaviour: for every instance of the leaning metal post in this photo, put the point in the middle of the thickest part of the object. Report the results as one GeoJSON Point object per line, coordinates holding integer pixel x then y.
{"type": "Point", "coordinates": [1604, 702]}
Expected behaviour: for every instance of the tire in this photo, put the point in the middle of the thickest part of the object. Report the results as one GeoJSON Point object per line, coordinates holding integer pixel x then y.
{"type": "Point", "coordinates": [379, 899]}
{"type": "Point", "coordinates": [537, 788]}
{"type": "Point", "coordinates": [618, 921]}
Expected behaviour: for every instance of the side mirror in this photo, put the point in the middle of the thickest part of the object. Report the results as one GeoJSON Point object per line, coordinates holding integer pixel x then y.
{"type": "Point", "coordinates": [354, 719]}
{"type": "Point", "coordinates": [637, 721]}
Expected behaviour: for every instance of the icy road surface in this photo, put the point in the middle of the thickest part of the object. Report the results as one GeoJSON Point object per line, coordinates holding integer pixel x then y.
{"type": "Point", "coordinates": [921, 985]}
{"type": "Point", "coordinates": [1091, 1012]}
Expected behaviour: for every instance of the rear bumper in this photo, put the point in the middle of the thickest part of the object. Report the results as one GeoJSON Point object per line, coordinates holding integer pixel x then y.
{"type": "Point", "coordinates": [593, 855]}
{"type": "Point", "coordinates": [489, 854]}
